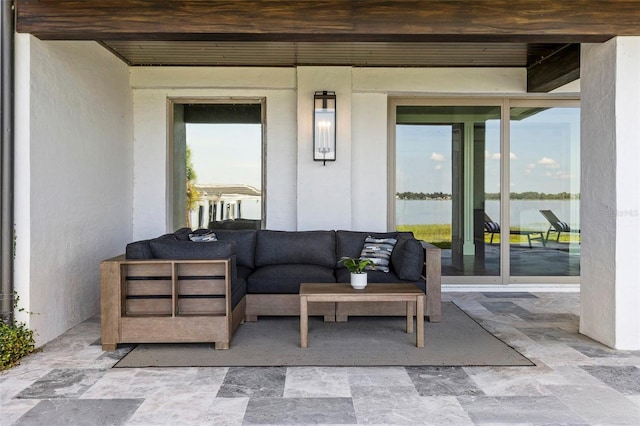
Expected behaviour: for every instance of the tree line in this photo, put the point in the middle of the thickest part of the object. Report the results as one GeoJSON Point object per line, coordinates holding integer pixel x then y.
{"type": "Point", "coordinates": [529, 195]}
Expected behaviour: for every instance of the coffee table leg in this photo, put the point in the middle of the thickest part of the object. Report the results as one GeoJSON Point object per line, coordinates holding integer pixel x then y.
{"type": "Point", "coordinates": [304, 321]}
{"type": "Point", "coordinates": [410, 317]}
{"type": "Point", "coordinates": [420, 321]}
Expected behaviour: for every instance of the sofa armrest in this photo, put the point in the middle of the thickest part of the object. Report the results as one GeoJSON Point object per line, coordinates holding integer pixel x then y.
{"type": "Point", "coordinates": [166, 300]}
{"type": "Point", "coordinates": [433, 279]}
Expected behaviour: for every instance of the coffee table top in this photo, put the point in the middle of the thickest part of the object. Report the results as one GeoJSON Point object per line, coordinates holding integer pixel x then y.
{"type": "Point", "coordinates": [372, 288]}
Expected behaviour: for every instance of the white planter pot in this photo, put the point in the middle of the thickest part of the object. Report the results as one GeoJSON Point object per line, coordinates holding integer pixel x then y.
{"type": "Point", "coordinates": [359, 281]}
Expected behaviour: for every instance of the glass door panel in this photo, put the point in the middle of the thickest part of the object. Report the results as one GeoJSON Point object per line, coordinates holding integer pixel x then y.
{"type": "Point", "coordinates": [544, 191]}
{"type": "Point", "coordinates": [448, 183]}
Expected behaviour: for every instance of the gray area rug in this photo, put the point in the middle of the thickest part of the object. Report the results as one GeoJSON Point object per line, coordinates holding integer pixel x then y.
{"type": "Point", "coordinates": [362, 341]}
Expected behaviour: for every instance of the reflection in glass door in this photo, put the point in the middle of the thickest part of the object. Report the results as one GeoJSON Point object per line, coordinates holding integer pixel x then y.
{"type": "Point", "coordinates": [544, 201]}
{"type": "Point", "coordinates": [447, 183]}
{"type": "Point", "coordinates": [217, 165]}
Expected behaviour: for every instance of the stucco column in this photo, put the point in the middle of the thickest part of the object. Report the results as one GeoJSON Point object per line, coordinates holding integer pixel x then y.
{"type": "Point", "coordinates": [610, 200]}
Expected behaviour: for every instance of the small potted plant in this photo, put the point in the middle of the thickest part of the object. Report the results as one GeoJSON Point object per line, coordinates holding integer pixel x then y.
{"type": "Point", "coordinates": [357, 266]}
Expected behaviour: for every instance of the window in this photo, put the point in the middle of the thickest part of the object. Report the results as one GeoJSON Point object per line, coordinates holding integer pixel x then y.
{"type": "Point", "coordinates": [218, 165]}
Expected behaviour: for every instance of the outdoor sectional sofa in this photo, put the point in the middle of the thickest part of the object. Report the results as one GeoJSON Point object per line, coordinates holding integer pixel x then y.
{"type": "Point", "coordinates": [172, 289]}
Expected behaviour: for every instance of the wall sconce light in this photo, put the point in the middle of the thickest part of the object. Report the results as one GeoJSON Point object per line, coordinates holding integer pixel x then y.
{"type": "Point", "coordinates": [324, 126]}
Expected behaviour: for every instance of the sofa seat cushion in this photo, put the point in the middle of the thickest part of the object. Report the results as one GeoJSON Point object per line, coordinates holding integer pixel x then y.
{"type": "Point", "coordinates": [301, 247]}
{"type": "Point", "coordinates": [344, 276]}
{"type": "Point", "coordinates": [286, 279]}
{"type": "Point", "coordinates": [238, 291]}
{"type": "Point", "coordinates": [245, 244]}
{"type": "Point", "coordinates": [243, 272]}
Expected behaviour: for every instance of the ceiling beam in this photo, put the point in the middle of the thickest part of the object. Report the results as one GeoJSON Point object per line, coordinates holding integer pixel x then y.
{"type": "Point", "coordinates": [555, 70]}
{"type": "Point", "coordinates": [550, 21]}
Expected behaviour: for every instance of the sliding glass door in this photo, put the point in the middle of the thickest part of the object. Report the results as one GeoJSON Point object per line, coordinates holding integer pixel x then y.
{"type": "Point", "coordinates": [446, 163]}
{"type": "Point", "coordinates": [495, 184]}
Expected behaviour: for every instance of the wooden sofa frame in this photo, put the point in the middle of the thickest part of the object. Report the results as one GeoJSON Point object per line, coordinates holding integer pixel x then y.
{"type": "Point", "coordinates": [167, 301]}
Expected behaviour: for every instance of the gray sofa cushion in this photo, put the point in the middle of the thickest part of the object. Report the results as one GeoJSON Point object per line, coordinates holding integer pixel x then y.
{"type": "Point", "coordinates": [142, 249]}
{"type": "Point", "coordinates": [286, 279]}
{"type": "Point", "coordinates": [243, 272]}
{"type": "Point", "coordinates": [138, 250]}
{"type": "Point", "coordinates": [185, 250]}
{"type": "Point", "coordinates": [182, 234]}
{"type": "Point", "coordinates": [408, 259]}
{"type": "Point", "coordinates": [238, 291]}
{"type": "Point", "coordinates": [245, 244]}
{"type": "Point", "coordinates": [344, 276]}
{"type": "Point", "coordinates": [301, 247]}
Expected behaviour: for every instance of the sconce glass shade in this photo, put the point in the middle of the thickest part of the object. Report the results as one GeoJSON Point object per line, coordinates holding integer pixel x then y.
{"type": "Point", "coordinates": [324, 126]}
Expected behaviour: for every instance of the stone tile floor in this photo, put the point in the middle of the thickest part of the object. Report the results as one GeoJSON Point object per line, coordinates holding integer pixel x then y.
{"type": "Point", "coordinates": [575, 381]}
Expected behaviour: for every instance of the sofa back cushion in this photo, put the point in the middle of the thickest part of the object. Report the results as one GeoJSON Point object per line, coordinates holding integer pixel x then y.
{"type": "Point", "coordinates": [142, 249]}
{"type": "Point", "coordinates": [182, 234]}
{"type": "Point", "coordinates": [245, 244]}
{"type": "Point", "coordinates": [301, 247]}
{"type": "Point", "coordinates": [138, 250]}
{"type": "Point", "coordinates": [188, 250]}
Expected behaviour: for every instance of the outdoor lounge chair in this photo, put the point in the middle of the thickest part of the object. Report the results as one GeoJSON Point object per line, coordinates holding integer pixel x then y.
{"type": "Point", "coordinates": [491, 227]}
{"type": "Point", "coordinates": [556, 225]}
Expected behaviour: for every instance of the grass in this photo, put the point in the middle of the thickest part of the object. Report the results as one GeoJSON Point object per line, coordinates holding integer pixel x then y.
{"type": "Point", "coordinates": [440, 235]}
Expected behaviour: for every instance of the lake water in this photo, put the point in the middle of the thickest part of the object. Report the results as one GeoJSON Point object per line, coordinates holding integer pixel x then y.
{"type": "Point", "coordinates": [524, 213]}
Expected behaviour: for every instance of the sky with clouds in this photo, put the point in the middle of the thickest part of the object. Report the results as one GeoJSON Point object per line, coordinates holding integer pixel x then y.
{"type": "Point", "coordinates": [544, 155]}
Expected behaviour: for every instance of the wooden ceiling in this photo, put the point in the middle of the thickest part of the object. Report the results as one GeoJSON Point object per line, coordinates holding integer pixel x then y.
{"type": "Point", "coordinates": [542, 35]}
{"type": "Point", "coordinates": [361, 54]}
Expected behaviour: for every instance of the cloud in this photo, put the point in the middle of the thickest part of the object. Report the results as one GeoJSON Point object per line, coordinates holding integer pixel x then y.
{"type": "Point", "coordinates": [437, 157]}
{"type": "Point", "coordinates": [496, 156]}
{"type": "Point", "coordinates": [549, 163]}
{"type": "Point", "coordinates": [563, 175]}
{"type": "Point", "coordinates": [529, 168]}
{"type": "Point", "coordinates": [438, 167]}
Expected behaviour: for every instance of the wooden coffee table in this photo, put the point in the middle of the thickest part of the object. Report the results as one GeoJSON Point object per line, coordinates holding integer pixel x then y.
{"type": "Point", "coordinates": [341, 292]}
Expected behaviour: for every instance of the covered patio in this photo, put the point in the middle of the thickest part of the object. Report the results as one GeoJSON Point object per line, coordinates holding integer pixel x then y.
{"type": "Point", "coordinates": [92, 82]}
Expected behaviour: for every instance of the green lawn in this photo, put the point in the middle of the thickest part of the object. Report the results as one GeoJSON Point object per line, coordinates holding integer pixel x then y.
{"type": "Point", "coordinates": [440, 235]}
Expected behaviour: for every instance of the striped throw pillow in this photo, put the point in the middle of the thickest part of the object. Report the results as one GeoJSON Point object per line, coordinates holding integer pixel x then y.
{"type": "Point", "coordinates": [378, 250]}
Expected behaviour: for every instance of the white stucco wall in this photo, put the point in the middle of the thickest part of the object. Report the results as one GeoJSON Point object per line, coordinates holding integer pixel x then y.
{"type": "Point", "coordinates": [610, 294]}
{"type": "Point", "coordinates": [74, 181]}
